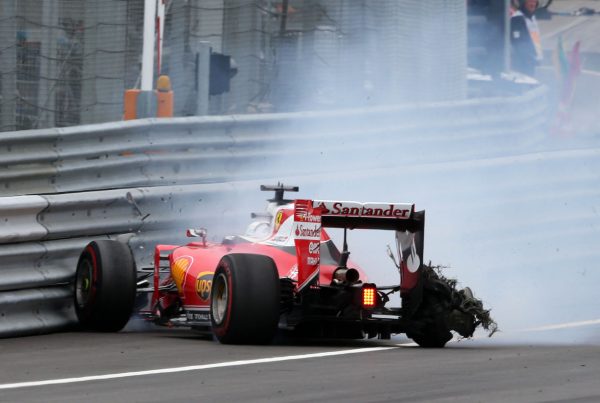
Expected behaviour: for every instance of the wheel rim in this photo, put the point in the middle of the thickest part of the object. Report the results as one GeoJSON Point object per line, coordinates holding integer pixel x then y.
{"type": "Point", "coordinates": [220, 296]}
{"type": "Point", "coordinates": [83, 284]}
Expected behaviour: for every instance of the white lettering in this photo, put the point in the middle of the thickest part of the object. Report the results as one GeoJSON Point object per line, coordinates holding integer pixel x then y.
{"type": "Point", "coordinates": [313, 247]}
{"type": "Point", "coordinates": [306, 217]}
{"type": "Point", "coordinates": [308, 232]}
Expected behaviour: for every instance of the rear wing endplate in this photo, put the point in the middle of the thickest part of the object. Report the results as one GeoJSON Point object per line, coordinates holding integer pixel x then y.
{"type": "Point", "coordinates": [307, 239]}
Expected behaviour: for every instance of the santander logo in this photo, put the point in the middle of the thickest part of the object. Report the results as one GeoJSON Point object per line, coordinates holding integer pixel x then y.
{"type": "Point", "coordinates": [313, 231]}
{"type": "Point", "coordinates": [354, 209]}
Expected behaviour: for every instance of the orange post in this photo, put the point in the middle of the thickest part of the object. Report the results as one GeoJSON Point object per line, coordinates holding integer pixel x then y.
{"type": "Point", "coordinates": [164, 98]}
{"type": "Point", "coordinates": [130, 104]}
{"type": "Point", "coordinates": [150, 102]}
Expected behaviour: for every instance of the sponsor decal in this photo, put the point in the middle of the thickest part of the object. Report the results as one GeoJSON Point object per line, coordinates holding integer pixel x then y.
{"type": "Point", "coordinates": [198, 316]}
{"type": "Point", "coordinates": [377, 210]}
{"type": "Point", "coordinates": [312, 260]}
{"type": "Point", "coordinates": [293, 273]}
{"type": "Point", "coordinates": [204, 284]}
{"type": "Point", "coordinates": [304, 212]}
{"type": "Point", "coordinates": [278, 219]}
{"type": "Point", "coordinates": [179, 269]}
{"type": "Point", "coordinates": [408, 249]}
{"type": "Point", "coordinates": [307, 217]}
{"type": "Point", "coordinates": [413, 261]}
{"type": "Point", "coordinates": [308, 231]}
{"type": "Point", "coordinates": [324, 209]}
{"type": "Point", "coordinates": [314, 247]}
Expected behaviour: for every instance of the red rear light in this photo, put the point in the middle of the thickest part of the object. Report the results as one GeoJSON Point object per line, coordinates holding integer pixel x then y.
{"type": "Point", "coordinates": [369, 296]}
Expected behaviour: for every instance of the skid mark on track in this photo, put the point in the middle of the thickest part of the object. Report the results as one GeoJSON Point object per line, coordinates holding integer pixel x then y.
{"type": "Point", "coordinates": [189, 368]}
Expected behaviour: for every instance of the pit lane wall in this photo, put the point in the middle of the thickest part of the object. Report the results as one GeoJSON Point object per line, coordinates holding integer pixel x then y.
{"type": "Point", "coordinates": [146, 181]}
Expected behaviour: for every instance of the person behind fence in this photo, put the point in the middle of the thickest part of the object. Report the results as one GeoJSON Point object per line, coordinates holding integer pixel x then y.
{"type": "Point", "coordinates": [525, 39]}
{"type": "Point", "coordinates": [514, 6]}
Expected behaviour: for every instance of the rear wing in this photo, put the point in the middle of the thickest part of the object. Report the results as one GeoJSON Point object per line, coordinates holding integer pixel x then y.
{"type": "Point", "coordinates": [311, 215]}
{"type": "Point", "coordinates": [382, 216]}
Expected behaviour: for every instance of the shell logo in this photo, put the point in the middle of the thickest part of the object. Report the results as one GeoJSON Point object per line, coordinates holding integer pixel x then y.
{"type": "Point", "coordinates": [179, 269]}
{"type": "Point", "coordinates": [204, 284]}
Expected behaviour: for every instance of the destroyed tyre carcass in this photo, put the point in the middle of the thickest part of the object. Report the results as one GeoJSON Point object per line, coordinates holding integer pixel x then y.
{"type": "Point", "coordinates": [444, 309]}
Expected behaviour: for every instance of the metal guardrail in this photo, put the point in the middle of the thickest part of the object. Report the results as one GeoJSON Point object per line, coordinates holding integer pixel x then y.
{"type": "Point", "coordinates": [65, 187]}
{"type": "Point", "coordinates": [32, 311]}
{"type": "Point", "coordinates": [159, 152]}
{"type": "Point", "coordinates": [19, 216]}
{"type": "Point", "coordinates": [44, 248]}
{"type": "Point", "coordinates": [43, 236]}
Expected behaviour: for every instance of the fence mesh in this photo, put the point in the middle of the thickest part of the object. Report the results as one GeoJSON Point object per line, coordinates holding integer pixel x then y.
{"type": "Point", "coordinates": [68, 62]}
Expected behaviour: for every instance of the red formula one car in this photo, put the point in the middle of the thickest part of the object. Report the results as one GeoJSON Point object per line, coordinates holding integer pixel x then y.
{"type": "Point", "coordinates": [284, 273]}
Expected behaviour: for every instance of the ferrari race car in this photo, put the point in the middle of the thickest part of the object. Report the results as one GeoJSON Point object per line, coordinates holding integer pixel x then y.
{"type": "Point", "coordinates": [285, 273]}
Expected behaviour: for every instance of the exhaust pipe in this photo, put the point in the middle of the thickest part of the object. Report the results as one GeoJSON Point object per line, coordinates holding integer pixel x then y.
{"type": "Point", "coordinates": [343, 275]}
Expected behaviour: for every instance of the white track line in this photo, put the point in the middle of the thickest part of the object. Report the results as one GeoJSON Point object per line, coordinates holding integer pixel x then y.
{"type": "Point", "coordinates": [188, 368]}
{"type": "Point", "coordinates": [568, 325]}
{"type": "Point", "coordinates": [558, 326]}
{"type": "Point", "coordinates": [590, 72]}
{"type": "Point", "coordinates": [18, 385]}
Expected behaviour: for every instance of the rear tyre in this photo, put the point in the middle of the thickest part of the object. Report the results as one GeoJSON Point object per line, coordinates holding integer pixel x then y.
{"type": "Point", "coordinates": [105, 286]}
{"type": "Point", "coordinates": [433, 312]}
{"type": "Point", "coordinates": [444, 309]}
{"type": "Point", "coordinates": [245, 299]}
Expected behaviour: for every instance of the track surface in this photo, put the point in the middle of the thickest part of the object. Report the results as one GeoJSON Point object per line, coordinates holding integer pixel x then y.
{"type": "Point", "coordinates": [548, 366]}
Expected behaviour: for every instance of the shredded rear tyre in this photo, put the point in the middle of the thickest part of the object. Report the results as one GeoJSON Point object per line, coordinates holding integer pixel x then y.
{"type": "Point", "coordinates": [433, 314]}
{"type": "Point", "coordinates": [445, 309]}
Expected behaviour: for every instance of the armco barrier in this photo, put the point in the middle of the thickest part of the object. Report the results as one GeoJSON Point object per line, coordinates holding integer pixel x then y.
{"type": "Point", "coordinates": [19, 218]}
{"type": "Point", "coordinates": [39, 256]}
{"type": "Point", "coordinates": [39, 264]}
{"type": "Point", "coordinates": [143, 182]}
{"type": "Point", "coordinates": [159, 152]}
{"type": "Point", "coordinates": [37, 310]}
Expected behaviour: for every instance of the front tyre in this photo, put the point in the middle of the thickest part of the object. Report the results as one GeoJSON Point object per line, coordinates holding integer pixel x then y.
{"type": "Point", "coordinates": [105, 286]}
{"type": "Point", "coordinates": [245, 299]}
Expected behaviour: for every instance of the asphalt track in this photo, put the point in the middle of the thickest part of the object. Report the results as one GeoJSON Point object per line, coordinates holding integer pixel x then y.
{"type": "Point", "coordinates": [557, 363]}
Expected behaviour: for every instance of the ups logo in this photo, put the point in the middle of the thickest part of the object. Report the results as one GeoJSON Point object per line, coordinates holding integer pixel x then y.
{"type": "Point", "coordinates": [204, 284]}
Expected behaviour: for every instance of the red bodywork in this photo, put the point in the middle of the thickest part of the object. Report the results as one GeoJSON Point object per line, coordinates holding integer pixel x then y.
{"type": "Point", "coordinates": [293, 237]}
